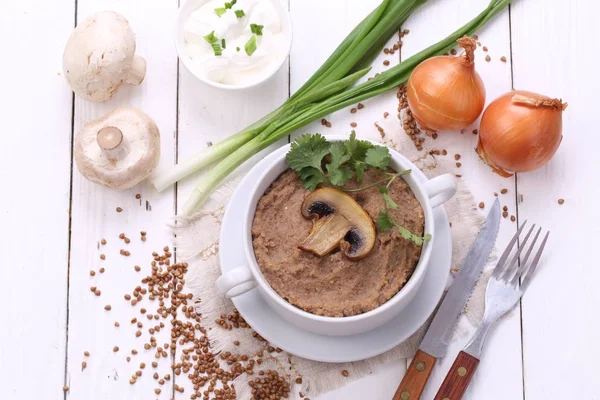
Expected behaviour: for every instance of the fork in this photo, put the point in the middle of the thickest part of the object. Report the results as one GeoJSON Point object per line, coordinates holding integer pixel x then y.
{"type": "Point", "coordinates": [504, 290]}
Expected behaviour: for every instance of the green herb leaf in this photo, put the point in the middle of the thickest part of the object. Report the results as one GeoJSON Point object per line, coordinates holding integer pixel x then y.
{"type": "Point", "coordinates": [217, 49]}
{"type": "Point", "coordinates": [250, 46]}
{"type": "Point", "coordinates": [338, 154]}
{"type": "Point", "coordinates": [359, 168]}
{"type": "Point", "coordinates": [240, 13]}
{"type": "Point", "coordinates": [257, 29]}
{"type": "Point", "coordinates": [220, 11]}
{"type": "Point", "coordinates": [339, 176]}
{"type": "Point", "coordinates": [408, 235]}
{"type": "Point", "coordinates": [357, 148]}
{"type": "Point", "coordinates": [389, 202]}
{"type": "Point", "coordinates": [237, 49]}
{"type": "Point", "coordinates": [311, 177]}
{"type": "Point", "coordinates": [384, 222]}
{"type": "Point", "coordinates": [307, 151]}
{"type": "Point", "coordinates": [223, 43]}
{"type": "Point", "coordinates": [378, 157]}
{"type": "Point", "coordinates": [211, 38]}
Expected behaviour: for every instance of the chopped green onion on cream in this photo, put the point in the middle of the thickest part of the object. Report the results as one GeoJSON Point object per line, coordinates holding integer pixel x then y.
{"type": "Point", "coordinates": [254, 26]}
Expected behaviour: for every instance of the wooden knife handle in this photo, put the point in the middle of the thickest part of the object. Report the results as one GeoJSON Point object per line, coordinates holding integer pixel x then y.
{"type": "Point", "coordinates": [416, 377]}
{"type": "Point", "coordinates": [458, 378]}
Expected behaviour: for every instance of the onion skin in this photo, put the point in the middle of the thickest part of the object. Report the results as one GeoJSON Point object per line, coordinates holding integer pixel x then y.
{"type": "Point", "coordinates": [520, 131]}
{"type": "Point", "coordinates": [445, 93]}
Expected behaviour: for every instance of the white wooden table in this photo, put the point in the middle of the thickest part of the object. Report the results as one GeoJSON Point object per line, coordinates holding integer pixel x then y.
{"type": "Point", "coordinates": [52, 218]}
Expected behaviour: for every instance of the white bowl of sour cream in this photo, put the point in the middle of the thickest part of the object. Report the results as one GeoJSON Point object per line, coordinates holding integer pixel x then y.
{"type": "Point", "coordinates": [234, 44]}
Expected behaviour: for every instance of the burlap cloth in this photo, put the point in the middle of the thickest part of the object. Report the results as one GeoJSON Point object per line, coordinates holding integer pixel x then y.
{"type": "Point", "coordinates": [197, 242]}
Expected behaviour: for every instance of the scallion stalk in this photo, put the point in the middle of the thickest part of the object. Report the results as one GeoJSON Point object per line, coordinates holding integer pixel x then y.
{"type": "Point", "coordinates": [200, 160]}
{"type": "Point", "coordinates": [294, 103]}
{"type": "Point", "coordinates": [326, 92]}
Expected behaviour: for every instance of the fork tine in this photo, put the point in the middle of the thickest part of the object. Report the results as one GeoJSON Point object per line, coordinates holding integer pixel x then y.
{"type": "Point", "coordinates": [500, 266]}
{"type": "Point", "coordinates": [523, 264]}
{"type": "Point", "coordinates": [514, 262]}
{"type": "Point", "coordinates": [528, 273]}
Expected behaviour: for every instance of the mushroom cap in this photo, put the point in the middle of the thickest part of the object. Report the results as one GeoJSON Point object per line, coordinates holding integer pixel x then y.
{"type": "Point", "coordinates": [98, 55]}
{"type": "Point", "coordinates": [141, 138]}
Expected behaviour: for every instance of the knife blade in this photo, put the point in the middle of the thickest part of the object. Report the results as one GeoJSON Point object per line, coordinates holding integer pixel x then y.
{"type": "Point", "coordinates": [437, 338]}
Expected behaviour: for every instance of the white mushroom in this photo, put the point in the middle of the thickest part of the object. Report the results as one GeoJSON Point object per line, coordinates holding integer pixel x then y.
{"type": "Point", "coordinates": [118, 150]}
{"type": "Point", "coordinates": [100, 56]}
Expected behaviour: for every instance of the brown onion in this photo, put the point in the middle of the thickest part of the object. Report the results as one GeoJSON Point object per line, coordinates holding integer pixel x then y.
{"type": "Point", "coordinates": [520, 131]}
{"type": "Point", "coordinates": [446, 93]}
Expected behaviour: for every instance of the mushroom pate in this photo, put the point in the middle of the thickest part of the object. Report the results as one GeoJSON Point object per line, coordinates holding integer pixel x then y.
{"type": "Point", "coordinates": [340, 282]}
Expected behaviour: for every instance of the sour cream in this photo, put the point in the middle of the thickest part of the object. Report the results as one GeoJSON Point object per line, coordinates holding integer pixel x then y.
{"type": "Point", "coordinates": [238, 63]}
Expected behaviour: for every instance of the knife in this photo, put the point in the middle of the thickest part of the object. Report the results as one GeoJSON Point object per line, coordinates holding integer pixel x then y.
{"type": "Point", "coordinates": [437, 338]}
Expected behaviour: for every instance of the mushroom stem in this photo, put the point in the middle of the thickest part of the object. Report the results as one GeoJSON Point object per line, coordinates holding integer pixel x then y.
{"type": "Point", "coordinates": [137, 71]}
{"type": "Point", "coordinates": [110, 140]}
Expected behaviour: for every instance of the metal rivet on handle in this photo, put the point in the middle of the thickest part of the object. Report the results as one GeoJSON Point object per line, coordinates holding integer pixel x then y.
{"type": "Point", "coordinates": [405, 395]}
{"type": "Point", "coordinates": [420, 366]}
{"type": "Point", "coordinates": [462, 371]}
{"type": "Point", "coordinates": [446, 398]}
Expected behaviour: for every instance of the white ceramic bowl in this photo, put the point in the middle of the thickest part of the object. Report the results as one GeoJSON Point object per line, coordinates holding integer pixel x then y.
{"type": "Point", "coordinates": [431, 194]}
{"type": "Point", "coordinates": [189, 6]}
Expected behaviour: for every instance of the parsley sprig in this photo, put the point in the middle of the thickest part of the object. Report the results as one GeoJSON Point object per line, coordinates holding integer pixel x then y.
{"type": "Point", "coordinates": [385, 222]}
{"type": "Point", "coordinates": [316, 161]}
{"type": "Point", "coordinates": [346, 159]}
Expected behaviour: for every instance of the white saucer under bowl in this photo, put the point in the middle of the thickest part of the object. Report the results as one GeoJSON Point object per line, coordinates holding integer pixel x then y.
{"type": "Point", "coordinates": [317, 347]}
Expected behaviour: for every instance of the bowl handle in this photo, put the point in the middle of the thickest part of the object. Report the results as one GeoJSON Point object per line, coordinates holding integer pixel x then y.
{"type": "Point", "coordinates": [440, 189]}
{"type": "Point", "coordinates": [236, 282]}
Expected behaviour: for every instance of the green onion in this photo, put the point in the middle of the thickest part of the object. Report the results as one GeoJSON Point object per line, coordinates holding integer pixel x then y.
{"type": "Point", "coordinates": [223, 43]}
{"type": "Point", "coordinates": [211, 38]}
{"type": "Point", "coordinates": [327, 91]}
{"type": "Point", "coordinates": [240, 13]}
{"type": "Point", "coordinates": [257, 29]}
{"type": "Point", "coordinates": [250, 46]}
{"type": "Point", "coordinates": [217, 49]}
{"type": "Point", "coordinates": [220, 11]}
{"type": "Point", "coordinates": [237, 49]}
{"type": "Point", "coordinates": [227, 5]}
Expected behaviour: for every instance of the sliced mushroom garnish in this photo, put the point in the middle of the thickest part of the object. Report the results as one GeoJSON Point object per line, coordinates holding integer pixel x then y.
{"type": "Point", "coordinates": [326, 234]}
{"type": "Point", "coordinates": [339, 221]}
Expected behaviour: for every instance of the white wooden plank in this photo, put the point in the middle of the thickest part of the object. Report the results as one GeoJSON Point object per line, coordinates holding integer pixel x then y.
{"type": "Point", "coordinates": [208, 115]}
{"type": "Point", "coordinates": [499, 374]}
{"type": "Point", "coordinates": [504, 347]}
{"type": "Point", "coordinates": [331, 25]}
{"type": "Point", "coordinates": [552, 45]}
{"type": "Point", "coordinates": [94, 217]}
{"type": "Point", "coordinates": [34, 206]}
{"type": "Point", "coordinates": [381, 384]}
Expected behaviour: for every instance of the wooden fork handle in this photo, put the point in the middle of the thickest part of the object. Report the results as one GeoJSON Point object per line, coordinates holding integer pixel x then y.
{"type": "Point", "coordinates": [416, 377]}
{"type": "Point", "coordinates": [458, 378]}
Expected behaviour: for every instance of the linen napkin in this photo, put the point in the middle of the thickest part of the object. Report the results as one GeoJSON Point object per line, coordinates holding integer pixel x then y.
{"type": "Point", "coordinates": [197, 243]}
